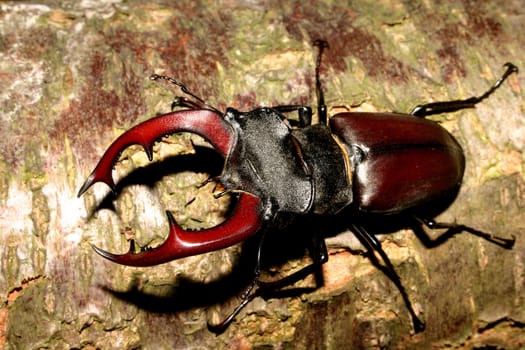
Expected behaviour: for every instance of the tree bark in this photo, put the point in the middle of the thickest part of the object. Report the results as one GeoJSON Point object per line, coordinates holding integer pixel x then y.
{"type": "Point", "coordinates": [75, 76]}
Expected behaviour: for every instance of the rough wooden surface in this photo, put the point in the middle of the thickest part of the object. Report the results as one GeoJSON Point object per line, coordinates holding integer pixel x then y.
{"type": "Point", "coordinates": [74, 75]}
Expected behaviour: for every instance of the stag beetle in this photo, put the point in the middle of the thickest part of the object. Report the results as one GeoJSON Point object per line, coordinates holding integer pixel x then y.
{"type": "Point", "coordinates": [367, 163]}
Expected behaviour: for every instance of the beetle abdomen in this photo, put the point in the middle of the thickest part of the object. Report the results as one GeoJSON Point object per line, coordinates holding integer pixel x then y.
{"type": "Point", "coordinates": [398, 161]}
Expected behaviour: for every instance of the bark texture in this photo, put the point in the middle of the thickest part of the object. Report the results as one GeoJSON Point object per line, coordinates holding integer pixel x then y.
{"type": "Point", "coordinates": [74, 75]}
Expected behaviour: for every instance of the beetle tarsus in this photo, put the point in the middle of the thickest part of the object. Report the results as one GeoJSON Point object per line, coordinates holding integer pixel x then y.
{"type": "Point", "coordinates": [318, 254]}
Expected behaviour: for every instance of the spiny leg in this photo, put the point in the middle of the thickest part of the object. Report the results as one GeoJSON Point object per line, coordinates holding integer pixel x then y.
{"type": "Point", "coordinates": [319, 255]}
{"type": "Point", "coordinates": [451, 106]}
{"type": "Point", "coordinates": [247, 294]}
{"type": "Point", "coordinates": [305, 113]}
{"type": "Point", "coordinates": [269, 211]}
{"type": "Point", "coordinates": [373, 245]}
{"type": "Point", "coordinates": [453, 229]}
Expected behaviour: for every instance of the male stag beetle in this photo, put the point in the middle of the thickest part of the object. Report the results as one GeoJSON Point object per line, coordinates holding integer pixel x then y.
{"type": "Point", "coordinates": [365, 163]}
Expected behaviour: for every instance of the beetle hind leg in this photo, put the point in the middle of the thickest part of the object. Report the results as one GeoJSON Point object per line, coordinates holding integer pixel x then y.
{"type": "Point", "coordinates": [425, 110]}
{"type": "Point", "coordinates": [453, 229]}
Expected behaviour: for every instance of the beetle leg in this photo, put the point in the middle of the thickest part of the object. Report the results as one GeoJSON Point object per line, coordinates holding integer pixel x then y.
{"type": "Point", "coordinates": [373, 245]}
{"type": "Point", "coordinates": [272, 209]}
{"type": "Point", "coordinates": [264, 288]}
{"type": "Point", "coordinates": [453, 229]}
{"type": "Point", "coordinates": [246, 295]}
{"type": "Point", "coordinates": [319, 255]}
{"type": "Point", "coordinates": [221, 327]}
{"type": "Point", "coordinates": [305, 113]}
{"type": "Point", "coordinates": [451, 106]}
{"type": "Point", "coordinates": [269, 213]}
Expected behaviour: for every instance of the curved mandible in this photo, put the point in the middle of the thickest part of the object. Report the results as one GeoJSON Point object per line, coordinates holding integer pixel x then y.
{"type": "Point", "coordinates": [205, 123]}
{"type": "Point", "coordinates": [244, 222]}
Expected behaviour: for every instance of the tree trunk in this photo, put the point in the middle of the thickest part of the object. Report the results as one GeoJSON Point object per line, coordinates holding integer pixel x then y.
{"type": "Point", "coordinates": [75, 76]}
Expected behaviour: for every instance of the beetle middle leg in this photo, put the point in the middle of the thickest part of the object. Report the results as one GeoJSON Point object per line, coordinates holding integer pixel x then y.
{"type": "Point", "coordinates": [425, 110]}
{"type": "Point", "coordinates": [318, 254]}
{"type": "Point", "coordinates": [373, 245]}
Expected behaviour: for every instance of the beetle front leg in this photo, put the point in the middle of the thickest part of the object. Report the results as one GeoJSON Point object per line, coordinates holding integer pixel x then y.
{"type": "Point", "coordinates": [319, 255]}
{"type": "Point", "coordinates": [305, 113]}
{"type": "Point", "coordinates": [267, 215]}
{"type": "Point", "coordinates": [425, 110]}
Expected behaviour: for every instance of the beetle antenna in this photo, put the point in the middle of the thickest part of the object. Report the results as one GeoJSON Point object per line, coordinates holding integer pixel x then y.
{"type": "Point", "coordinates": [182, 101]}
{"type": "Point", "coordinates": [321, 107]}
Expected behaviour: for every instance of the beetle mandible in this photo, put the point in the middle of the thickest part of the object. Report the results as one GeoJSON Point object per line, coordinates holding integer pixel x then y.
{"type": "Point", "coordinates": [362, 163]}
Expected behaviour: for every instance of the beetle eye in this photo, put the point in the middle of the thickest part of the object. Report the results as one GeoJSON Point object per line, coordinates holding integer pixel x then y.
{"type": "Point", "coordinates": [230, 114]}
